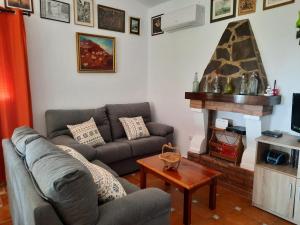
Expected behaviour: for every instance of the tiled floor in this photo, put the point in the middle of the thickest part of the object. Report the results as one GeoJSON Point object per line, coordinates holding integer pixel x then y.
{"type": "Point", "coordinates": [232, 209]}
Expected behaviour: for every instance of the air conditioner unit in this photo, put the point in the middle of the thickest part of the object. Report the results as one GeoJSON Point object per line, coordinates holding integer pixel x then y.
{"type": "Point", "coordinates": [190, 16]}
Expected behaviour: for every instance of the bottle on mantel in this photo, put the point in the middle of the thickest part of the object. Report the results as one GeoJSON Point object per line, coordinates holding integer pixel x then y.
{"type": "Point", "coordinates": [196, 83]}
{"type": "Point", "coordinates": [298, 21]}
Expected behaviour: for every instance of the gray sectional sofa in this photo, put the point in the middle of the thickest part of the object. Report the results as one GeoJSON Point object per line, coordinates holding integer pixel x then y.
{"type": "Point", "coordinates": [47, 186]}
{"type": "Point", "coordinates": [118, 153]}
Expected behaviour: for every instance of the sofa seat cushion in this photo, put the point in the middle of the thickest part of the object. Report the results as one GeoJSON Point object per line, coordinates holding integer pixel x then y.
{"type": "Point", "coordinates": [113, 152]}
{"type": "Point", "coordinates": [116, 111]}
{"type": "Point", "coordinates": [64, 182]}
{"type": "Point", "coordinates": [145, 146]}
{"type": "Point", "coordinates": [129, 187]}
{"type": "Point", "coordinates": [104, 166]}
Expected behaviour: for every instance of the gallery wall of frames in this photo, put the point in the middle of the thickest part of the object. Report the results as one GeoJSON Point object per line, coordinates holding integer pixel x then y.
{"type": "Point", "coordinates": [95, 53]}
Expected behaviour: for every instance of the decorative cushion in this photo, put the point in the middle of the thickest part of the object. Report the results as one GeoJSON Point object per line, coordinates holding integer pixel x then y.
{"type": "Point", "coordinates": [134, 127]}
{"type": "Point", "coordinates": [108, 187]}
{"type": "Point", "coordinates": [87, 133]}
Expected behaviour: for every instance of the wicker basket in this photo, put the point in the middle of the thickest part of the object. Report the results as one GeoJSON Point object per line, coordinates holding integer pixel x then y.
{"type": "Point", "coordinates": [170, 157]}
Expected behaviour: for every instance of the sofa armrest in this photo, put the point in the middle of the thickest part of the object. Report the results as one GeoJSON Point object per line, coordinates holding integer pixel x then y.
{"type": "Point", "coordinates": [138, 207]}
{"type": "Point", "coordinates": [87, 151]}
{"type": "Point", "coordinates": [159, 129]}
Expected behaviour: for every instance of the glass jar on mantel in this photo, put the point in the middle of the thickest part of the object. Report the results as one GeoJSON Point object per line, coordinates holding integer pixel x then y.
{"type": "Point", "coordinates": [244, 85]}
{"type": "Point", "coordinates": [253, 84]}
{"type": "Point", "coordinates": [228, 89]}
{"type": "Point", "coordinates": [216, 87]}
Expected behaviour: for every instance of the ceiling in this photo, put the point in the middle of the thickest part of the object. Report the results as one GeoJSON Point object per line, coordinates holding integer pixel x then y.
{"type": "Point", "coordinates": [151, 3]}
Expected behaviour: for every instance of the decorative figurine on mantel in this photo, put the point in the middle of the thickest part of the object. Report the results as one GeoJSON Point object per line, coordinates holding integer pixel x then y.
{"type": "Point", "coordinates": [298, 26]}
{"type": "Point", "coordinates": [269, 91]}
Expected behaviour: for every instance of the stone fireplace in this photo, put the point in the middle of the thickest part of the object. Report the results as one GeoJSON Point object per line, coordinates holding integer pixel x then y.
{"type": "Point", "coordinates": [237, 53]}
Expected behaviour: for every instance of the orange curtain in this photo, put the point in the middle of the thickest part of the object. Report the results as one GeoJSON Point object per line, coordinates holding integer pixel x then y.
{"type": "Point", "coordinates": [15, 103]}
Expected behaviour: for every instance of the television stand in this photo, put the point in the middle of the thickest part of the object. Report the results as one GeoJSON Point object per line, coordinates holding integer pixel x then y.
{"type": "Point", "coordinates": [269, 180]}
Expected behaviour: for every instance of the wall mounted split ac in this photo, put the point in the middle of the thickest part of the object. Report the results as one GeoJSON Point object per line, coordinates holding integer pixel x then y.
{"type": "Point", "coordinates": [187, 17]}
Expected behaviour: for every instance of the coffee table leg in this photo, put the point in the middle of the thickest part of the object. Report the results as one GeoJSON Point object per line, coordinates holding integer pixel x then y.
{"type": "Point", "coordinates": [187, 207]}
{"type": "Point", "coordinates": [143, 179]}
{"type": "Point", "coordinates": [213, 194]}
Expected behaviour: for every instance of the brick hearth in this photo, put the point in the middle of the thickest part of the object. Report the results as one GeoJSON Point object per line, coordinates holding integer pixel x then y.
{"type": "Point", "coordinates": [234, 177]}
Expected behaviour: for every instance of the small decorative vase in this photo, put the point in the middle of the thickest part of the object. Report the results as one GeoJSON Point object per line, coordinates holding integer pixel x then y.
{"type": "Point", "coordinates": [228, 89]}
{"type": "Point", "coordinates": [244, 85]}
{"type": "Point", "coordinates": [196, 83]}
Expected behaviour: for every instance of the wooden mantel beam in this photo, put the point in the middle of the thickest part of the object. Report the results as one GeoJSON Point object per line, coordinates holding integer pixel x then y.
{"type": "Point", "coordinates": [245, 104]}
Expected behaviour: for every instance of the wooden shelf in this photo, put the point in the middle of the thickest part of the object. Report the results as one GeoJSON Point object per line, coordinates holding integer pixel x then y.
{"type": "Point", "coordinates": [245, 104]}
{"type": "Point", "coordinates": [286, 141]}
{"type": "Point", "coordinates": [285, 169]}
{"type": "Point", "coordinates": [237, 99]}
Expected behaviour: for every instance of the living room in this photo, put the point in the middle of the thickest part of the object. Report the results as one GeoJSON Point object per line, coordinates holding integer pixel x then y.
{"type": "Point", "coordinates": [181, 66]}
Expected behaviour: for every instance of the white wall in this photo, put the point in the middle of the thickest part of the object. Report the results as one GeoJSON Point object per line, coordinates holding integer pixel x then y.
{"type": "Point", "coordinates": [54, 80]}
{"type": "Point", "coordinates": [174, 57]}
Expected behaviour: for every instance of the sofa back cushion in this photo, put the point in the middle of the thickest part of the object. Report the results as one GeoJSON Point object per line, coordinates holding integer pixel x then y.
{"type": "Point", "coordinates": [22, 136]}
{"type": "Point", "coordinates": [116, 111]}
{"type": "Point", "coordinates": [64, 182]}
{"type": "Point", "coordinates": [57, 121]}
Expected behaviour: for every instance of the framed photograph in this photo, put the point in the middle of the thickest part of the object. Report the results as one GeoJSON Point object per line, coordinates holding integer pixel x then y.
{"type": "Point", "coordinates": [84, 12]}
{"type": "Point", "coordinates": [55, 10]}
{"type": "Point", "coordinates": [111, 19]}
{"type": "Point", "coordinates": [134, 25]}
{"type": "Point", "coordinates": [247, 6]}
{"type": "Point", "coordinates": [156, 25]}
{"type": "Point", "coordinates": [95, 53]}
{"type": "Point", "coordinates": [25, 5]}
{"type": "Point", "coordinates": [269, 4]}
{"type": "Point", "coordinates": [222, 10]}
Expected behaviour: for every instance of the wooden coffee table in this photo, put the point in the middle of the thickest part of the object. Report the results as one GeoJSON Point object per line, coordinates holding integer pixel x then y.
{"type": "Point", "coordinates": [188, 178]}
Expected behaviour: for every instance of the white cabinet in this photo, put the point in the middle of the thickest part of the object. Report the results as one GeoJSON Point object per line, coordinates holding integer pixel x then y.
{"type": "Point", "coordinates": [274, 192]}
{"type": "Point", "coordinates": [297, 203]}
{"type": "Point", "coordinates": [276, 188]}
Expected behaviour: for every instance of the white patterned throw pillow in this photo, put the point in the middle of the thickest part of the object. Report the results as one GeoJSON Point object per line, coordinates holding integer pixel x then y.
{"type": "Point", "coordinates": [108, 187]}
{"type": "Point", "coordinates": [87, 133]}
{"type": "Point", "coordinates": [134, 127]}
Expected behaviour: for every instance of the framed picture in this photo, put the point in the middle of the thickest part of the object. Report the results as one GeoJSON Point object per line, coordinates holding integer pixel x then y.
{"type": "Point", "coordinates": [134, 25]}
{"type": "Point", "coordinates": [156, 25]}
{"type": "Point", "coordinates": [222, 10]}
{"type": "Point", "coordinates": [55, 10]}
{"type": "Point", "coordinates": [25, 5]}
{"type": "Point", "coordinates": [111, 19]}
{"type": "Point", "coordinates": [269, 4]}
{"type": "Point", "coordinates": [95, 53]}
{"type": "Point", "coordinates": [247, 6]}
{"type": "Point", "coordinates": [84, 12]}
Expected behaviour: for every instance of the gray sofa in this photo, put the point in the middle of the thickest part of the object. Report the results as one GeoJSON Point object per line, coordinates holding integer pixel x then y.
{"type": "Point", "coordinates": [46, 186]}
{"type": "Point", "coordinates": [118, 153]}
